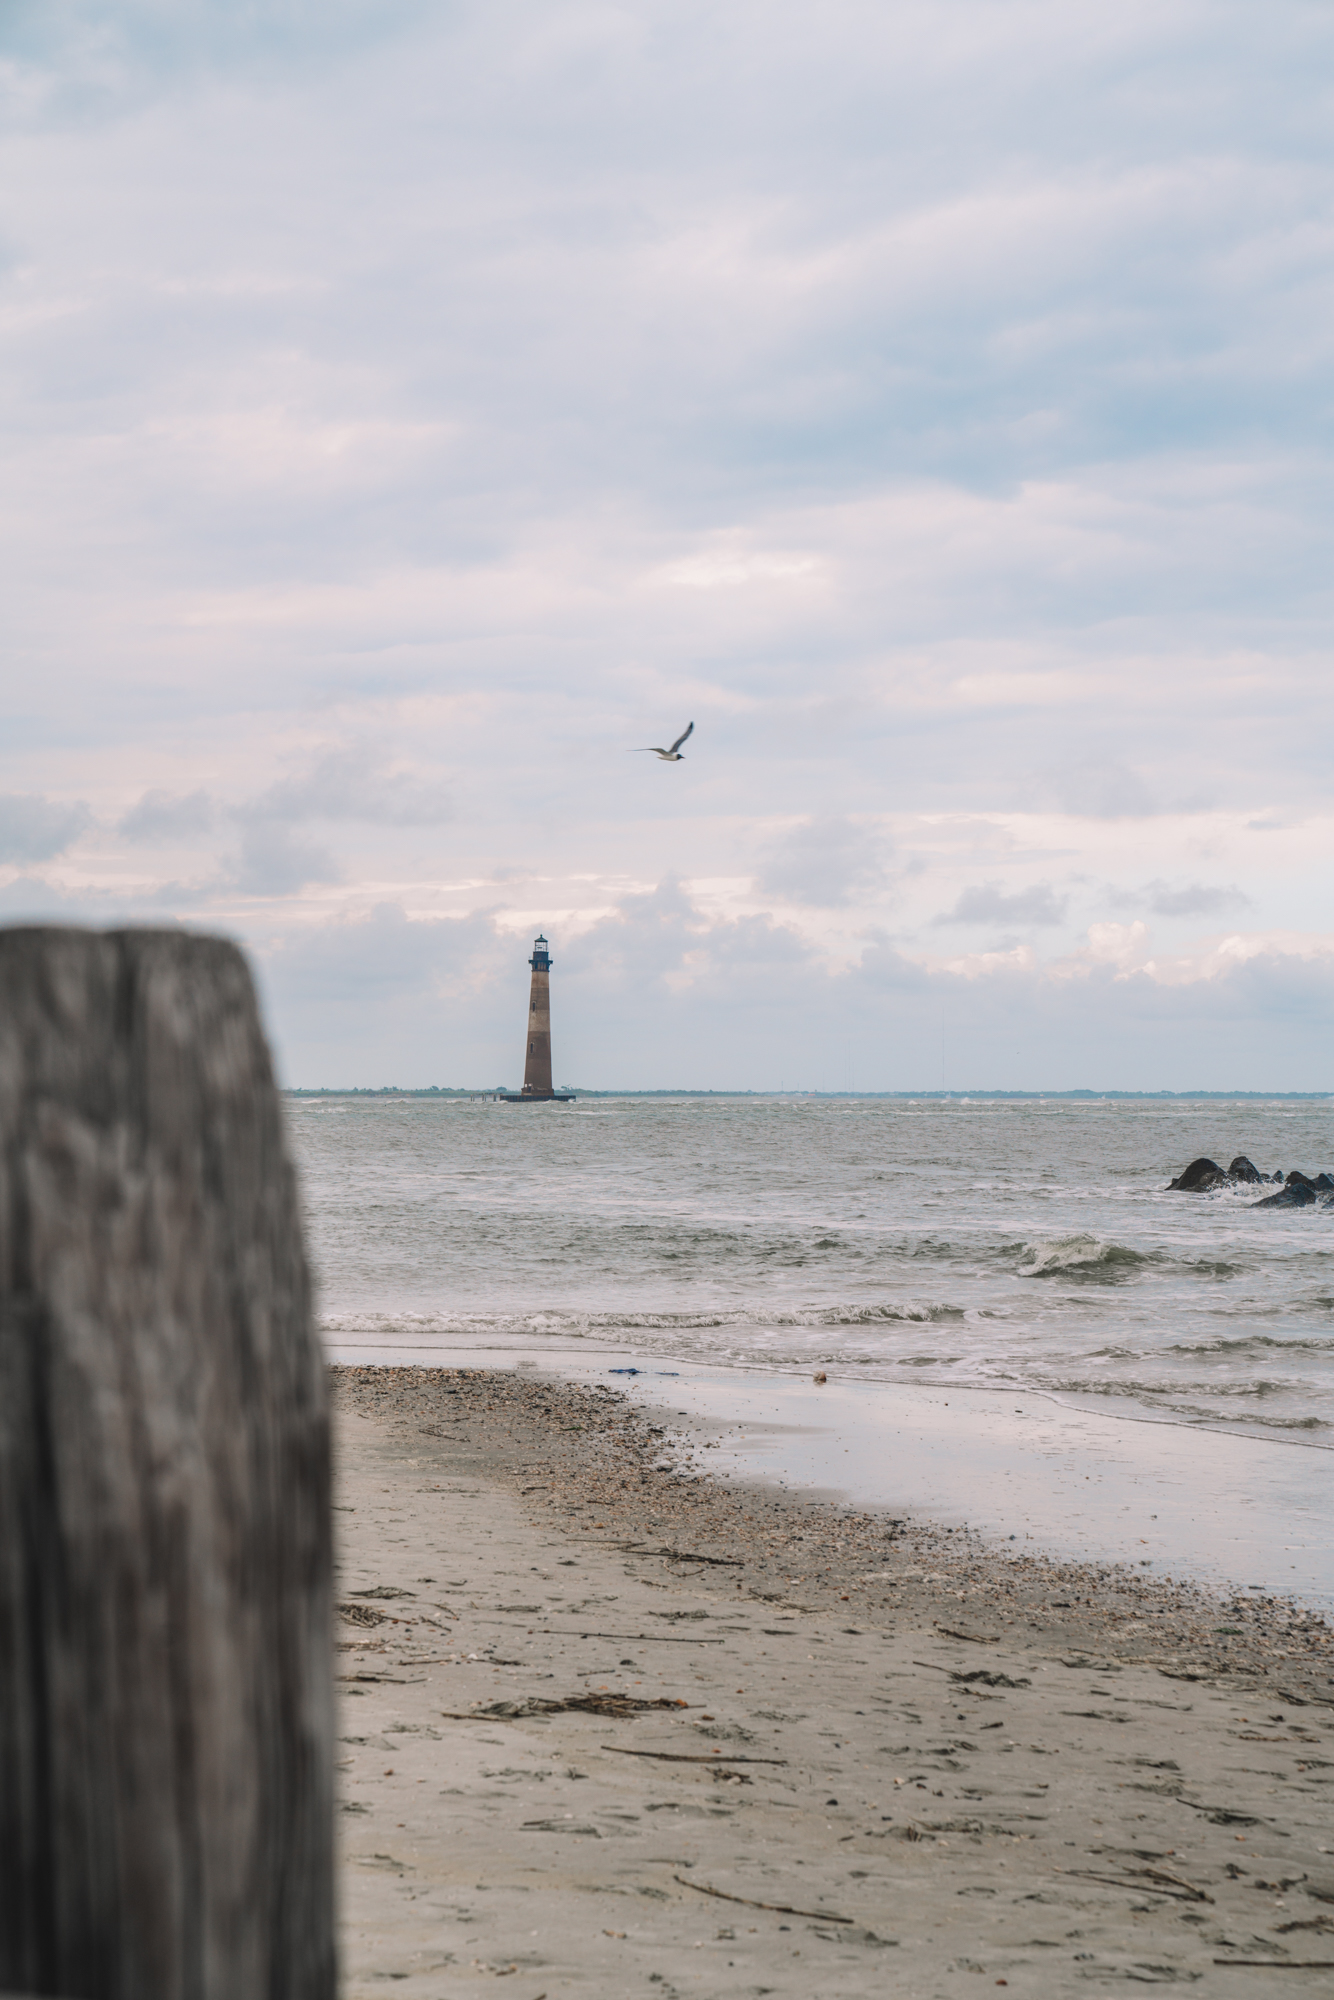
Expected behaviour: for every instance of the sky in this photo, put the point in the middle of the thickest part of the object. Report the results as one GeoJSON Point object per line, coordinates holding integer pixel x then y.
{"type": "Point", "coordinates": [411, 409]}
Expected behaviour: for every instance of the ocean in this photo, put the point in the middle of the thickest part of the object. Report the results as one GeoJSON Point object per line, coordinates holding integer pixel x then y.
{"type": "Point", "coordinates": [1025, 1245]}
{"type": "Point", "coordinates": [984, 1250]}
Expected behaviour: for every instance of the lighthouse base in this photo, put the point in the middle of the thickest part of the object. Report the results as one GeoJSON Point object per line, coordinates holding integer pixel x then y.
{"type": "Point", "coordinates": [531, 1097]}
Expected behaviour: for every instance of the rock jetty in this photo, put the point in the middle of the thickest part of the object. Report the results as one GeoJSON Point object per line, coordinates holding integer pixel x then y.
{"type": "Point", "coordinates": [1295, 1189]}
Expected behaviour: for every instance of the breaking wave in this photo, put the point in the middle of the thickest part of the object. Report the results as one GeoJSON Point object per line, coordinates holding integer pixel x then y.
{"type": "Point", "coordinates": [597, 1325]}
{"type": "Point", "coordinates": [1254, 1343]}
{"type": "Point", "coordinates": [1081, 1257]}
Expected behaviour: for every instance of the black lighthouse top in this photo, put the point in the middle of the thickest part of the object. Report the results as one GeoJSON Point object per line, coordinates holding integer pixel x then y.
{"type": "Point", "coordinates": [540, 960]}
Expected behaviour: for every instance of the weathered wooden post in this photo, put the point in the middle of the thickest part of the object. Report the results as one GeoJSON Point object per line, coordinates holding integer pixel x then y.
{"type": "Point", "coordinates": [165, 1680]}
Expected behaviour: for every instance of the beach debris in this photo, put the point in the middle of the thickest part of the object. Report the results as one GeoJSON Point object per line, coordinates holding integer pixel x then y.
{"type": "Point", "coordinates": [1283, 1965]}
{"type": "Point", "coordinates": [657, 1638]}
{"type": "Point", "coordinates": [1165, 1881]}
{"type": "Point", "coordinates": [396, 1679]}
{"type": "Point", "coordinates": [686, 1556]}
{"type": "Point", "coordinates": [684, 1757]}
{"type": "Point", "coordinates": [977, 1638]}
{"type": "Point", "coordinates": [820, 1376]}
{"type": "Point", "coordinates": [750, 1902]}
{"type": "Point", "coordinates": [382, 1590]}
{"type": "Point", "coordinates": [363, 1614]}
{"type": "Point", "coordinates": [988, 1679]}
{"type": "Point", "coordinates": [585, 1704]}
{"type": "Point", "coordinates": [826, 1548]}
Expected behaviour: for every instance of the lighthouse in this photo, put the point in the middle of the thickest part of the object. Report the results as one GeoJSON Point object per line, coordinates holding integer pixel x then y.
{"type": "Point", "coordinates": [537, 1055]}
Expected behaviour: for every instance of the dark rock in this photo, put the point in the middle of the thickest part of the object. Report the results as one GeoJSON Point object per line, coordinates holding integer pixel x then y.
{"type": "Point", "coordinates": [1298, 1179]}
{"type": "Point", "coordinates": [1323, 1182]}
{"type": "Point", "coordinates": [1199, 1175]}
{"type": "Point", "coordinates": [1297, 1194]}
{"type": "Point", "coordinates": [1243, 1170]}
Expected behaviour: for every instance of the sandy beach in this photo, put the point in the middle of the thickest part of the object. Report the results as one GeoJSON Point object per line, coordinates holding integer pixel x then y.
{"type": "Point", "coordinates": [609, 1727]}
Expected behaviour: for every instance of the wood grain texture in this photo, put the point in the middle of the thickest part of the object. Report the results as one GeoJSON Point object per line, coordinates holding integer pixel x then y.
{"type": "Point", "coordinates": [165, 1595]}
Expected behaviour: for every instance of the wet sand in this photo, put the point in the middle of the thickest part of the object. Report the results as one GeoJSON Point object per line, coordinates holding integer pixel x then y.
{"type": "Point", "coordinates": [947, 1767]}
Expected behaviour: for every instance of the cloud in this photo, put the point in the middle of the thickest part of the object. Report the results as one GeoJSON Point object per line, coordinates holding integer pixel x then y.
{"type": "Point", "coordinates": [85, 58]}
{"type": "Point", "coordinates": [377, 995]}
{"type": "Point", "coordinates": [1189, 899]}
{"type": "Point", "coordinates": [824, 862]}
{"type": "Point", "coordinates": [990, 904]}
{"type": "Point", "coordinates": [382, 957]}
{"type": "Point", "coordinates": [36, 829]}
{"type": "Point", "coordinates": [343, 785]}
{"type": "Point", "coordinates": [656, 994]}
{"type": "Point", "coordinates": [354, 784]}
{"type": "Point", "coordinates": [274, 861]}
{"type": "Point", "coordinates": [161, 817]}
{"type": "Point", "coordinates": [402, 402]}
{"type": "Point", "coordinates": [1195, 899]}
{"type": "Point", "coordinates": [1100, 789]}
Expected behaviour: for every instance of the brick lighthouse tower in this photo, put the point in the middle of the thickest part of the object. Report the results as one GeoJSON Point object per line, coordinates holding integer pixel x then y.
{"type": "Point", "coordinates": [537, 1061]}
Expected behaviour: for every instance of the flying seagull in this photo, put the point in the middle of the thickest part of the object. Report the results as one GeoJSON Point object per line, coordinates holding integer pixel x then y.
{"type": "Point", "coordinates": [672, 756]}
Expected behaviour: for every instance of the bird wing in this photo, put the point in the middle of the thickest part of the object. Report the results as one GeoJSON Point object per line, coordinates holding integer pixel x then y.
{"type": "Point", "coordinates": [649, 749]}
{"type": "Point", "coordinates": [689, 730]}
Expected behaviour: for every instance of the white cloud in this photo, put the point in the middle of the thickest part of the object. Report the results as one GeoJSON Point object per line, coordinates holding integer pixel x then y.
{"type": "Point", "coordinates": [825, 862]}
{"type": "Point", "coordinates": [1194, 899]}
{"type": "Point", "coordinates": [159, 818]}
{"type": "Point", "coordinates": [655, 994]}
{"type": "Point", "coordinates": [34, 829]}
{"type": "Point", "coordinates": [273, 861]}
{"type": "Point", "coordinates": [353, 784]}
{"type": "Point", "coordinates": [989, 904]}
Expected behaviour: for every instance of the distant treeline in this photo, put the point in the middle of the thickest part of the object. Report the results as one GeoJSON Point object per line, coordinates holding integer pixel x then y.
{"type": "Point", "coordinates": [869, 1096]}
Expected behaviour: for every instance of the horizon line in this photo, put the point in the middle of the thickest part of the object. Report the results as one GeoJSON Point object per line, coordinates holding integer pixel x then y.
{"type": "Point", "coordinates": [1036, 1092]}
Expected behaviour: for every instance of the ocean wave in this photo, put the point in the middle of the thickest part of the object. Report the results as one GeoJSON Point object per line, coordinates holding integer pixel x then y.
{"type": "Point", "coordinates": [1169, 1397]}
{"type": "Point", "coordinates": [585, 1325]}
{"type": "Point", "coordinates": [875, 1315]}
{"type": "Point", "coordinates": [1081, 1257]}
{"type": "Point", "coordinates": [1269, 1423]}
{"type": "Point", "coordinates": [1254, 1343]}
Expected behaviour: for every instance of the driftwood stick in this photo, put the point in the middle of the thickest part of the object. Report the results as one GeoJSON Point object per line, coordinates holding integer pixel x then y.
{"type": "Point", "coordinates": [783, 1909]}
{"type": "Point", "coordinates": [165, 1549]}
{"type": "Point", "coordinates": [716, 1760]}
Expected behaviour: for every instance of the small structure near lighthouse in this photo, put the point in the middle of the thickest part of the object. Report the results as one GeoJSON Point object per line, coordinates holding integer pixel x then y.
{"type": "Point", "coordinates": [537, 1060]}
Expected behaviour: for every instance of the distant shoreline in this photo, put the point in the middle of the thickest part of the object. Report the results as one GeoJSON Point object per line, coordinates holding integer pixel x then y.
{"type": "Point", "coordinates": [467, 1093]}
